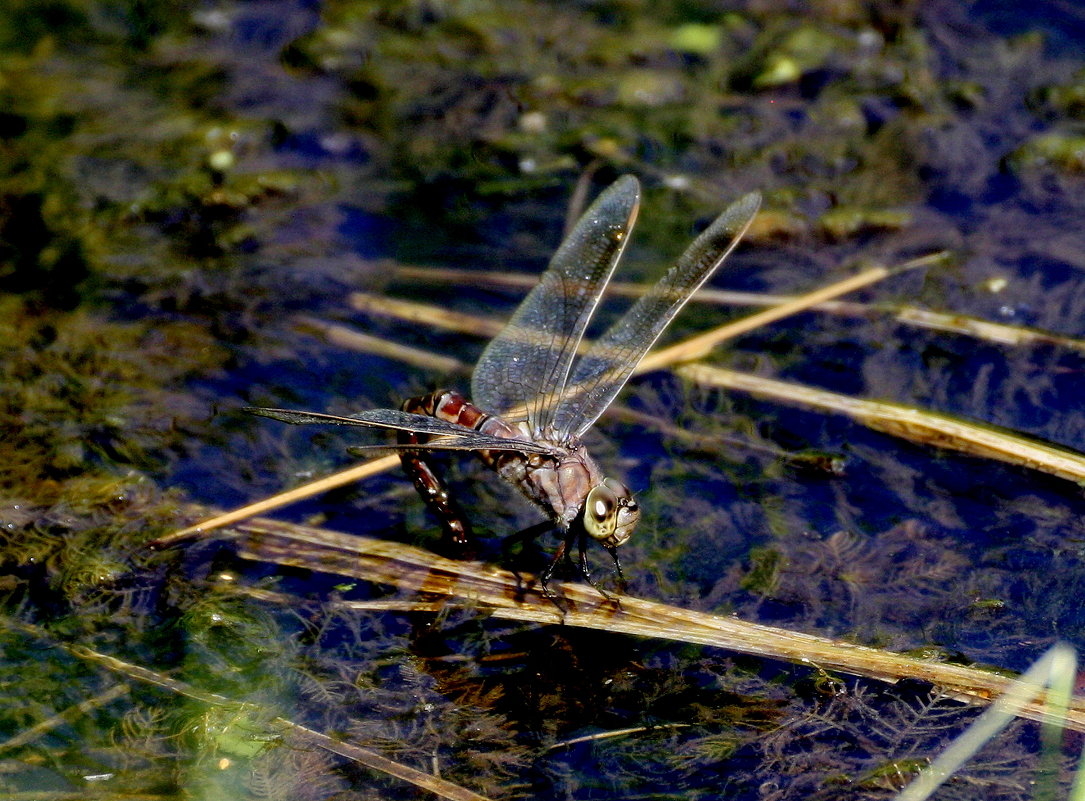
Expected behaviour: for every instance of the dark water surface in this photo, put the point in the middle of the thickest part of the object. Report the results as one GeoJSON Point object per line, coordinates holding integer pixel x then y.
{"type": "Point", "coordinates": [183, 191]}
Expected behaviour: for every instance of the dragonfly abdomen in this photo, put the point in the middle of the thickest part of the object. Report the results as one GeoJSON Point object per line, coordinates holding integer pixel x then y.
{"type": "Point", "coordinates": [454, 407]}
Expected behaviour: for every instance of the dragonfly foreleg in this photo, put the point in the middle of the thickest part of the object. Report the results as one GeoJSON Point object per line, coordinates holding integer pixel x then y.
{"type": "Point", "coordinates": [618, 567]}
{"type": "Point", "coordinates": [582, 563]}
{"type": "Point", "coordinates": [564, 553]}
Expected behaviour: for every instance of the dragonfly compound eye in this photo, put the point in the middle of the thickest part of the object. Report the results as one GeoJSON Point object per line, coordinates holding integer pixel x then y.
{"type": "Point", "coordinates": [610, 513]}
{"type": "Point", "coordinates": [600, 512]}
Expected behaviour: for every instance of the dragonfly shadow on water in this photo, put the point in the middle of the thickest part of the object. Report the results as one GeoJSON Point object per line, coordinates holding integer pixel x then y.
{"type": "Point", "coordinates": [535, 390]}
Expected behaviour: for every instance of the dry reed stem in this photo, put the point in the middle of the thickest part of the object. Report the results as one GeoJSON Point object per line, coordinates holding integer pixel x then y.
{"type": "Point", "coordinates": [424, 314]}
{"type": "Point", "coordinates": [365, 343]}
{"type": "Point", "coordinates": [356, 473]}
{"type": "Point", "coordinates": [964, 325]}
{"type": "Point", "coordinates": [509, 596]}
{"type": "Point", "coordinates": [411, 312]}
{"type": "Point", "coordinates": [610, 735]}
{"type": "Point", "coordinates": [65, 717]}
{"type": "Point", "coordinates": [702, 345]}
{"type": "Point", "coordinates": [915, 425]}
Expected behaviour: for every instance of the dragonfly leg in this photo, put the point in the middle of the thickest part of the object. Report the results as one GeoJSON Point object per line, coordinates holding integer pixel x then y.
{"type": "Point", "coordinates": [618, 567]}
{"type": "Point", "coordinates": [544, 578]}
{"type": "Point", "coordinates": [459, 542]}
{"type": "Point", "coordinates": [582, 563]}
{"type": "Point", "coordinates": [458, 539]}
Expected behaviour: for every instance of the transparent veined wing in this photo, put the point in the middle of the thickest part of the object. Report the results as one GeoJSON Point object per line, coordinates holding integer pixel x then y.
{"type": "Point", "coordinates": [523, 371]}
{"type": "Point", "coordinates": [603, 370]}
{"type": "Point", "coordinates": [454, 437]}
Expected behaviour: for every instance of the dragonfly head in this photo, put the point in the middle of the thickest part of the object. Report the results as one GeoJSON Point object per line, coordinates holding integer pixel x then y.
{"type": "Point", "coordinates": [610, 513]}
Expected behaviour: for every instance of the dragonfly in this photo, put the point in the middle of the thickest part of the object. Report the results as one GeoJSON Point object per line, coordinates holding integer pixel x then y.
{"type": "Point", "coordinates": [536, 390]}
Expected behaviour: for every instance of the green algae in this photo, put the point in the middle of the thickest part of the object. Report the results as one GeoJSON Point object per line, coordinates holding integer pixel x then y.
{"type": "Point", "coordinates": [797, 53]}
{"type": "Point", "coordinates": [536, 105]}
{"type": "Point", "coordinates": [1060, 151]}
{"type": "Point", "coordinates": [763, 573]}
{"type": "Point", "coordinates": [1060, 100]}
{"type": "Point", "coordinates": [84, 395]}
{"type": "Point", "coordinates": [845, 223]}
{"type": "Point", "coordinates": [142, 215]}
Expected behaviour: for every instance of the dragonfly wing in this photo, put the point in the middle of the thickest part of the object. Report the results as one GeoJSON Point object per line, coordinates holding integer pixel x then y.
{"type": "Point", "coordinates": [484, 442]}
{"type": "Point", "coordinates": [452, 436]}
{"type": "Point", "coordinates": [523, 370]}
{"type": "Point", "coordinates": [603, 370]}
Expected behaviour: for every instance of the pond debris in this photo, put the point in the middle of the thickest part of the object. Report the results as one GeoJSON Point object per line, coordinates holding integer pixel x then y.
{"type": "Point", "coordinates": [277, 728]}
{"type": "Point", "coordinates": [947, 322]}
{"type": "Point", "coordinates": [907, 422]}
{"type": "Point", "coordinates": [502, 594]}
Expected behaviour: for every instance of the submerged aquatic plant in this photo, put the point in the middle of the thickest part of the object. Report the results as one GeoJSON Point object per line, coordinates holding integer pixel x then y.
{"type": "Point", "coordinates": [176, 183]}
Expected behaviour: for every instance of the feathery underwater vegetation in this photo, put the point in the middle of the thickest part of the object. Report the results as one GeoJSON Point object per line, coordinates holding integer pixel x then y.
{"type": "Point", "coordinates": [195, 201]}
